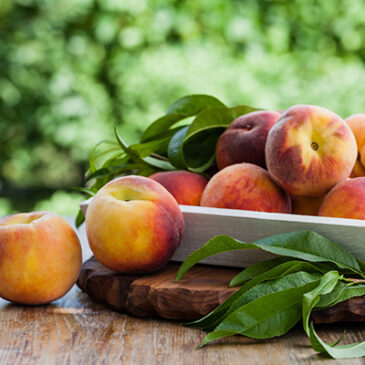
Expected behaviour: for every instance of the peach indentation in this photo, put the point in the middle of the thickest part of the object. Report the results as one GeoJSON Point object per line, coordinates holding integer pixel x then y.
{"type": "Point", "coordinates": [21, 219]}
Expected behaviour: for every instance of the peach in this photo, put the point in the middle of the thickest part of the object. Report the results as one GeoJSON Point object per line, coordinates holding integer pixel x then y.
{"type": "Point", "coordinates": [40, 257]}
{"type": "Point", "coordinates": [309, 150]}
{"type": "Point", "coordinates": [244, 140]}
{"type": "Point", "coordinates": [134, 225]}
{"type": "Point", "coordinates": [185, 186]}
{"type": "Point", "coordinates": [358, 169]}
{"type": "Point", "coordinates": [345, 200]}
{"type": "Point", "coordinates": [306, 205]}
{"type": "Point", "coordinates": [357, 124]}
{"type": "Point", "coordinates": [245, 186]}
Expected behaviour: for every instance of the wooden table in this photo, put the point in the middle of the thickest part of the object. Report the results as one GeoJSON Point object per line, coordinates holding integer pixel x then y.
{"type": "Point", "coordinates": [74, 330]}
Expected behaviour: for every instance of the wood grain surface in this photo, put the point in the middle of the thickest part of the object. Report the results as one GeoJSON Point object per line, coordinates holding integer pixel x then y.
{"type": "Point", "coordinates": [74, 330]}
{"type": "Point", "coordinates": [201, 290]}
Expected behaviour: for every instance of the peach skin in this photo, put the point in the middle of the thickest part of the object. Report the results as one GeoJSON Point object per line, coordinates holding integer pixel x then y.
{"type": "Point", "coordinates": [185, 186]}
{"type": "Point", "coordinates": [40, 257]}
{"type": "Point", "coordinates": [244, 140]}
{"type": "Point", "coordinates": [345, 200]}
{"type": "Point", "coordinates": [357, 124]}
{"type": "Point", "coordinates": [245, 186]}
{"type": "Point", "coordinates": [305, 205]}
{"type": "Point", "coordinates": [358, 169]}
{"type": "Point", "coordinates": [134, 225]}
{"type": "Point", "coordinates": [309, 150]}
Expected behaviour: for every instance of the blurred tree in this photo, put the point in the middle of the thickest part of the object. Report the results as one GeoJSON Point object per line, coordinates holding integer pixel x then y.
{"type": "Point", "coordinates": [70, 69]}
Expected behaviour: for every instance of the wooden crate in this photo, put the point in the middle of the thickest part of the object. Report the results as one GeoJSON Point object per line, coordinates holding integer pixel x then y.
{"type": "Point", "coordinates": [203, 223]}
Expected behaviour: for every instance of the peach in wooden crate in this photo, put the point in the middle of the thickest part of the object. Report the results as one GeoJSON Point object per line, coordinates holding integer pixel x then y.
{"type": "Point", "coordinates": [309, 150]}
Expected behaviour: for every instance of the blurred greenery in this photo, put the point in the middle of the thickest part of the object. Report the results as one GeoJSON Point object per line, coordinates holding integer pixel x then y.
{"type": "Point", "coordinates": [71, 69]}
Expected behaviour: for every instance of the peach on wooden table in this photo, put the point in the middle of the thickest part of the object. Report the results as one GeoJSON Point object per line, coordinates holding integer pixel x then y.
{"type": "Point", "coordinates": [40, 257]}
{"type": "Point", "coordinates": [245, 138]}
{"type": "Point", "coordinates": [245, 186]}
{"type": "Point", "coordinates": [134, 225]}
{"type": "Point", "coordinates": [185, 186]}
{"type": "Point", "coordinates": [345, 200]}
{"type": "Point", "coordinates": [309, 150]}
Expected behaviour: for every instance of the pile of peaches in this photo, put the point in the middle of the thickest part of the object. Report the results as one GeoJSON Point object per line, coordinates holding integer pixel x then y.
{"type": "Point", "coordinates": [305, 160]}
{"type": "Point", "coordinates": [299, 161]}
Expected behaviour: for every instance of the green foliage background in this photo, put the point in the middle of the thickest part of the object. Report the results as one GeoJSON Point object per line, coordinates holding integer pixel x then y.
{"type": "Point", "coordinates": [71, 69]}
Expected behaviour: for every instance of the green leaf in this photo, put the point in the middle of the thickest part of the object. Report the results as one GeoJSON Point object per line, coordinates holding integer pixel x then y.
{"type": "Point", "coordinates": [339, 352]}
{"type": "Point", "coordinates": [350, 291]}
{"type": "Point", "coordinates": [310, 246]}
{"type": "Point", "coordinates": [118, 159]}
{"type": "Point", "coordinates": [183, 108]}
{"type": "Point", "coordinates": [202, 136]}
{"type": "Point", "coordinates": [239, 298]}
{"type": "Point", "coordinates": [327, 284]}
{"type": "Point", "coordinates": [112, 171]}
{"type": "Point", "coordinates": [199, 151]}
{"type": "Point", "coordinates": [217, 117]}
{"type": "Point", "coordinates": [98, 173]}
{"type": "Point", "coordinates": [160, 164]}
{"type": "Point", "coordinates": [285, 268]}
{"type": "Point", "coordinates": [175, 150]}
{"type": "Point", "coordinates": [132, 154]}
{"type": "Point", "coordinates": [94, 155]}
{"type": "Point", "coordinates": [304, 245]}
{"type": "Point", "coordinates": [155, 146]}
{"type": "Point", "coordinates": [273, 313]}
{"type": "Point", "coordinates": [257, 269]}
{"type": "Point", "coordinates": [214, 246]}
{"type": "Point", "coordinates": [158, 145]}
{"type": "Point", "coordinates": [208, 119]}
{"type": "Point", "coordinates": [80, 218]}
{"type": "Point", "coordinates": [329, 299]}
{"type": "Point", "coordinates": [239, 110]}
{"type": "Point", "coordinates": [362, 265]}
{"type": "Point", "coordinates": [143, 162]}
{"type": "Point", "coordinates": [87, 191]}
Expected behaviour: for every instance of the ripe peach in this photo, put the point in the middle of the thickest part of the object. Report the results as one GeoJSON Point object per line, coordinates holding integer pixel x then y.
{"type": "Point", "coordinates": [306, 205]}
{"type": "Point", "coordinates": [357, 124]}
{"type": "Point", "coordinates": [309, 150]}
{"type": "Point", "coordinates": [134, 225]}
{"type": "Point", "coordinates": [245, 186]}
{"type": "Point", "coordinates": [345, 200]}
{"type": "Point", "coordinates": [244, 140]}
{"type": "Point", "coordinates": [40, 257]}
{"type": "Point", "coordinates": [358, 169]}
{"type": "Point", "coordinates": [185, 186]}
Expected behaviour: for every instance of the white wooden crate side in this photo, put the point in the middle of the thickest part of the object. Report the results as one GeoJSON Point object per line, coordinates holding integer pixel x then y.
{"type": "Point", "coordinates": [202, 223]}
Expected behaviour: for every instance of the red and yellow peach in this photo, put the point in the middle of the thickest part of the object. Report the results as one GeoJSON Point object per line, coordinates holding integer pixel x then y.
{"type": "Point", "coordinates": [134, 225]}
{"type": "Point", "coordinates": [345, 200]}
{"type": "Point", "coordinates": [40, 257]}
{"type": "Point", "coordinates": [309, 150]}
{"type": "Point", "coordinates": [245, 186]}
{"type": "Point", "coordinates": [244, 140]}
{"type": "Point", "coordinates": [185, 186]}
{"type": "Point", "coordinates": [357, 124]}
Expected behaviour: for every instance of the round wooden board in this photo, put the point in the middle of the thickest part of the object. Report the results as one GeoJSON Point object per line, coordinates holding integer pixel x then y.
{"type": "Point", "coordinates": [201, 290]}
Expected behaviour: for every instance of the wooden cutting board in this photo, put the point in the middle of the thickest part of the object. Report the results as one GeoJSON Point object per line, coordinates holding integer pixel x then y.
{"type": "Point", "coordinates": [201, 290]}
